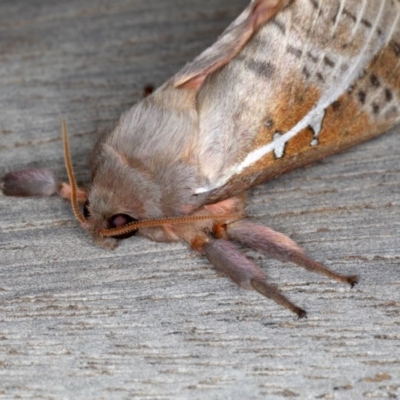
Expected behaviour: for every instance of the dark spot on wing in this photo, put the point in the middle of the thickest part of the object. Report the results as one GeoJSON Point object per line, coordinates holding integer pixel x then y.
{"type": "Point", "coordinates": [294, 51]}
{"type": "Point", "coordinates": [328, 62]}
{"type": "Point", "coordinates": [312, 57]}
{"type": "Point", "coordinates": [262, 68]}
{"type": "Point", "coordinates": [374, 80]}
{"type": "Point", "coordinates": [336, 105]}
{"type": "Point", "coordinates": [366, 23]}
{"type": "Point", "coordinates": [388, 95]}
{"type": "Point", "coordinates": [375, 108]}
{"type": "Point", "coordinates": [306, 72]}
{"type": "Point", "coordinates": [269, 123]}
{"type": "Point", "coordinates": [348, 14]}
{"type": "Point", "coordinates": [279, 25]}
{"type": "Point", "coordinates": [361, 96]}
{"type": "Point", "coordinates": [396, 48]}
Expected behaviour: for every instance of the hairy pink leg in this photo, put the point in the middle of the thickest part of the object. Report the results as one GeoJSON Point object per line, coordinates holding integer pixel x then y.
{"type": "Point", "coordinates": [65, 192]}
{"type": "Point", "coordinates": [38, 182]}
{"type": "Point", "coordinates": [280, 247]}
{"type": "Point", "coordinates": [227, 258]}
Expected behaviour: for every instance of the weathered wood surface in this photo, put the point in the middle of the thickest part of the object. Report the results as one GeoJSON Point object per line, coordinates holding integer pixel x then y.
{"type": "Point", "coordinates": [155, 321]}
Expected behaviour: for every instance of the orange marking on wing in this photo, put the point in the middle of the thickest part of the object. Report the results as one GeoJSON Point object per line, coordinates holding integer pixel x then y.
{"type": "Point", "coordinates": [385, 63]}
{"type": "Point", "coordinates": [292, 103]}
{"type": "Point", "coordinates": [345, 124]}
{"type": "Point", "coordinates": [300, 143]}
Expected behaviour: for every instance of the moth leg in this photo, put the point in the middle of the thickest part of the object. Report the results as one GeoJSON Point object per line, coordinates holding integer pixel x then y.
{"type": "Point", "coordinates": [228, 259]}
{"type": "Point", "coordinates": [30, 182]}
{"type": "Point", "coordinates": [37, 182]}
{"type": "Point", "coordinates": [65, 192]}
{"type": "Point", "coordinates": [280, 247]}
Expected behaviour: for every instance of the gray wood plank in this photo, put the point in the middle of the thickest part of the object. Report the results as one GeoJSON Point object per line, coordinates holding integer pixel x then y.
{"type": "Point", "coordinates": [155, 321]}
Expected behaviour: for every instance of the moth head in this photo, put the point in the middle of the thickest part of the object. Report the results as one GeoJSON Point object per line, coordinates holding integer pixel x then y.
{"type": "Point", "coordinates": [130, 195]}
{"type": "Point", "coordinates": [116, 199]}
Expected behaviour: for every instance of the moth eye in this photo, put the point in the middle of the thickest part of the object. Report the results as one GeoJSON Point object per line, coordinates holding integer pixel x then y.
{"type": "Point", "coordinates": [118, 220]}
{"type": "Point", "coordinates": [86, 212]}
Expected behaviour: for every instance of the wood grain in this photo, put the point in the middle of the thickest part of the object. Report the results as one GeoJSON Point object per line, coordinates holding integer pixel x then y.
{"type": "Point", "coordinates": [155, 321]}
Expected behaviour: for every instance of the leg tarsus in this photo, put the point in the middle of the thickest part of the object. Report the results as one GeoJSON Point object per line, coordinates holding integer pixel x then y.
{"type": "Point", "coordinates": [227, 258]}
{"type": "Point", "coordinates": [311, 265]}
{"type": "Point", "coordinates": [355, 280]}
{"type": "Point", "coordinates": [272, 293]}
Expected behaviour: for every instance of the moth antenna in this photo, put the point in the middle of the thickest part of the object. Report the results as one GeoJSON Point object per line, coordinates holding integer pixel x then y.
{"type": "Point", "coordinates": [71, 177]}
{"type": "Point", "coordinates": [107, 232]}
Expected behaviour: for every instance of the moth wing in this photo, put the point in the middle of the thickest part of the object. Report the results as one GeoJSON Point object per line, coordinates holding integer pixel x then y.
{"type": "Point", "coordinates": [317, 78]}
{"type": "Point", "coordinates": [229, 44]}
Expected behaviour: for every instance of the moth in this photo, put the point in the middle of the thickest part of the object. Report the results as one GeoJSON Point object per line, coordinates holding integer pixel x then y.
{"type": "Point", "coordinates": [286, 84]}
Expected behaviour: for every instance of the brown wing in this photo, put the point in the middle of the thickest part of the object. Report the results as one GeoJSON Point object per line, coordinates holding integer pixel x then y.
{"type": "Point", "coordinates": [344, 87]}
